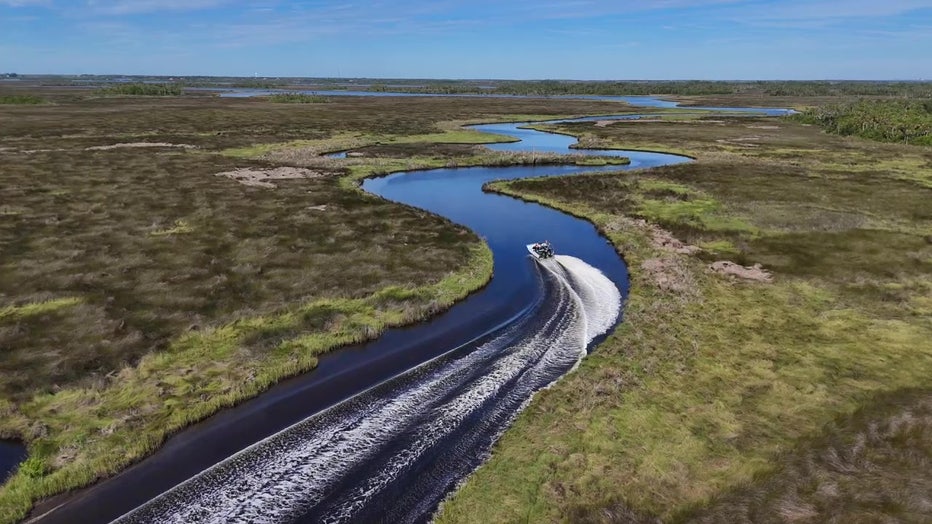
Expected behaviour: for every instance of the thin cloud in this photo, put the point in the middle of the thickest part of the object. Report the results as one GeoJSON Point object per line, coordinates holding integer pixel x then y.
{"type": "Point", "coordinates": [825, 10]}
{"type": "Point", "coordinates": [25, 3]}
{"type": "Point", "coordinates": [135, 7]}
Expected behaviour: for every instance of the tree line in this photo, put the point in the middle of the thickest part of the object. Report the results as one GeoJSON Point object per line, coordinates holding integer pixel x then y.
{"type": "Point", "coordinates": [906, 121]}
{"type": "Point", "coordinates": [674, 87]}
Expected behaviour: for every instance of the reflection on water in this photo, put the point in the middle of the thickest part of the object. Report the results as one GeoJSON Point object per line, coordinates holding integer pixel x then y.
{"type": "Point", "coordinates": [12, 454]}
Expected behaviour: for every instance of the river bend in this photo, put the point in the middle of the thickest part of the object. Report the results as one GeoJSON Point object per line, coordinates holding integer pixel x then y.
{"type": "Point", "coordinates": [384, 430]}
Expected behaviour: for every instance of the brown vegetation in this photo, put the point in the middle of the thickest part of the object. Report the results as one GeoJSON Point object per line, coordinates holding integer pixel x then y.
{"type": "Point", "coordinates": [262, 177]}
{"type": "Point", "coordinates": [755, 272]}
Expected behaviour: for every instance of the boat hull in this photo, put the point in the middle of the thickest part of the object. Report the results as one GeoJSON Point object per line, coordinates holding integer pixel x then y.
{"type": "Point", "coordinates": [535, 254]}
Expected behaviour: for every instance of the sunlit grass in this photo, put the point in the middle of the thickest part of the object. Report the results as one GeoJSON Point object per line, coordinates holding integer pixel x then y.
{"type": "Point", "coordinates": [705, 392]}
{"type": "Point", "coordinates": [11, 313]}
{"type": "Point", "coordinates": [162, 394]}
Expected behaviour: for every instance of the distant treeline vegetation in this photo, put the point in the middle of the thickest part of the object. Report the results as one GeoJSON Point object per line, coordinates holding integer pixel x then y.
{"type": "Point", "coordinates": [143, 90]}
{"type": "Point", "coordinates": [117, 84]}
{"type": "Point", "coordinates": [556, 88]}
{"type": "Point", "coordinates": [700, 87]}
{"type": "Point", "coordinates": [673, 87]}
{"type": "Point", "coordinates": [907, 121]}
{"type": "Point", "coordinates": [433, 88]}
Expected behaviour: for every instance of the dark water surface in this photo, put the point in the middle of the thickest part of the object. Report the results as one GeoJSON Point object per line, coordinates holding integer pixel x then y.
{"type": "Point", "coordinates": [12, 453]}
{"type": "Point", "coordinates": [284, 456]}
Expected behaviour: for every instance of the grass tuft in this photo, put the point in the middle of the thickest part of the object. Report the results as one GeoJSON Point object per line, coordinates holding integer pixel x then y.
{"type": "Point", "coordinates": [12, 313]}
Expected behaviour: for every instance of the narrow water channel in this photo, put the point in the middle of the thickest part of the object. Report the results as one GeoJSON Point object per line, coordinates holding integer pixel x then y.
{"type": "Point", "coordinates": [12, 454]}
{"type": "Point", "coordinates": [385, 430]}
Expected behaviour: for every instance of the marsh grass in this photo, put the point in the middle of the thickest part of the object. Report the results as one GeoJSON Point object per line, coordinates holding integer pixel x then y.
{"type": "Point", "coordinates": [12, 313]}
{"type": "Point", "coordinates": [21, 100]}
{"type": "Point", "coordinates": [307, 149]}
{"type": "Point", "coordinates": [865, 467]}
{"type": "Point", "coordinates": [96, 430]}
{"type": "Point", "coordinates": [141, 293]}
{"type": "Point", "coordinates": [141, 90]}
{"type": "Point", "coordinates": [726, 401]}
{"type": "Point", "coordinates": [297, 98]}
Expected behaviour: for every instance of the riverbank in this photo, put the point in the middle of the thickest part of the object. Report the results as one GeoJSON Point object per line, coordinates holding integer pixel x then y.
{"type": "Point", "coordinates": [715, 389]}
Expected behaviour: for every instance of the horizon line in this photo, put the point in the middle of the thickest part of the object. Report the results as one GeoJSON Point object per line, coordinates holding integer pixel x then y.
{"type": "Point", "coordinates": [285, 77]}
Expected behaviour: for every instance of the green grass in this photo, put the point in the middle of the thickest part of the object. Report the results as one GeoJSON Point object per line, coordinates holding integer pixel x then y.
{"type": "Point", "coordinates": [355, 141]}
{"type": "Point", "coordinates": [121, 421]}
{"type": "Point", "coordinates": [12, 313]}
{"type": "Point", "coordinates": [837, 473]}
{"type": "Point", "coordinates": [602, 161]}
{"type": "Point", "coordinates": [713, 396]}
{"type": "Point", "coordinates": [21, 100]}
{"type": "Point", "coordinates": [458, 136]}
{"type": "Point", "coordinates": [720, 247]}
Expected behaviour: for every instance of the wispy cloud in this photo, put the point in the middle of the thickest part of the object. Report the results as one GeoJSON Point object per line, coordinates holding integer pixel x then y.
{"type": "Point", "coordinates": [25, 3]}
{"type": "Point", "coordinates": [833, 10]}
{"type": "Point", "coordinates": [584, 9]}
{"type": "Point", "coordinates": [511, 34]}
{"type": "Point", "coordinates": [135, 7]}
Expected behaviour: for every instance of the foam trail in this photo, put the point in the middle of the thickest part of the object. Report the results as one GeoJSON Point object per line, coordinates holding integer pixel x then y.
{"type": "Point", "coordinates": [393, 452]}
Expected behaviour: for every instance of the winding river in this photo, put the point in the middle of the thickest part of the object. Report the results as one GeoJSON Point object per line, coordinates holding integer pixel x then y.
{"type": "Point", "coordinates": [383, 431]}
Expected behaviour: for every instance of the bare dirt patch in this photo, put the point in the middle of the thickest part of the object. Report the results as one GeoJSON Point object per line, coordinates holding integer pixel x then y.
{"type": "Point", "coordinates": [755, 273]}
{"type": "Point", "coordinates": [663, 239]}
{"type": "Point", "coordinates": [139, 144]}
{"type": "Point", "coordinates": [262, 177]}
{"type": "Point", "coordinates": [671, 275]}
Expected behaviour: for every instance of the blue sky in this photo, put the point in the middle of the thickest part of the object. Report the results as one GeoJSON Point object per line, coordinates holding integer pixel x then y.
{"type": "Point", "coordinates": [581, 39]}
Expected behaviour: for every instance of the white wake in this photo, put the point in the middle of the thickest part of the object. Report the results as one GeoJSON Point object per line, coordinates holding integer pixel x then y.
{"type": "Point", "coordinates": [337, 463]}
